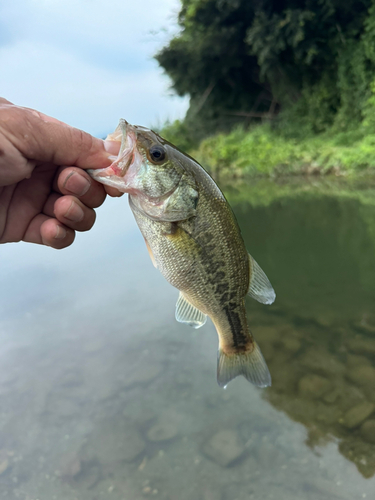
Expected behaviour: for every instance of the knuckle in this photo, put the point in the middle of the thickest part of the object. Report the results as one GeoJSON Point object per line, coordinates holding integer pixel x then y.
{"type": "Point", "coordinates": [82, 142]}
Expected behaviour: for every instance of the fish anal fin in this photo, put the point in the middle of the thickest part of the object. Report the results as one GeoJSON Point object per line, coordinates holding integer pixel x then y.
{"type": "Point", "coordinates": [151, 254]}
{"type": "Point", "coordinates": [250, 364]}
{"type": "Point", "coordinates": [187, 313]}
{"type": "Point", "coordinates": [260, 287]}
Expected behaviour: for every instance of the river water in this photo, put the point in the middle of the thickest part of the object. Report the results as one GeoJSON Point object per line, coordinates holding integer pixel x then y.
{"type": "Point", "coordinates": [104, 395]}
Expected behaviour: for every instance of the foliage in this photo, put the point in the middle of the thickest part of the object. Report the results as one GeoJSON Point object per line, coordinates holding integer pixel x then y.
{"type": "Point", "coordinates": [263, 151]}
{"type": "Point", "coordinates": [179, 134]}
{"type": "Point", "coordinates": [311, 60]}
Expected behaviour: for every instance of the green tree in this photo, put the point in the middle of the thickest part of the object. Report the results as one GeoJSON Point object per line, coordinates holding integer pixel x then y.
{"type": "Point", "coordinates": [243, 59]}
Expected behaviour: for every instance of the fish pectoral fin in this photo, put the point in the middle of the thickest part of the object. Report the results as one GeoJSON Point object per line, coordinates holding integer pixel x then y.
{"type": "Point", "coordinates": [249, 364]}
{"type": "Point", "coordinates": [260, 287]}
{"type": "Point", "coordinates": [151, 254]}
{"type": "Point", "coordinates": [187, 313]}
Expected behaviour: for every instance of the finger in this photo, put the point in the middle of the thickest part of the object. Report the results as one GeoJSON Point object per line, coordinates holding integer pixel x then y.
{"type": "Point", "coordinates": [75, 181]}
{"type": "Point", "coordinates": [74, 214]}
{"type": "Point", "coordinates": [45, 139]}
{"type": "Point", "coordinates": [44, 230]}
{"type": "Point", "coordinates": [49, 206]}
{"type": "Point", "coordinates": [111, 191]}
{"type": "Point", "coordinates": [4, 101]}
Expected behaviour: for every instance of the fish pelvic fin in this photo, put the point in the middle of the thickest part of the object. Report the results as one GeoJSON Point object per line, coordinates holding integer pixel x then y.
{"type": "Point", "coordinates": [260, 287]}
{"type": "Point", "coordinates": [250, 364]}
{"type": "Point", "coordinates": [187, 313]}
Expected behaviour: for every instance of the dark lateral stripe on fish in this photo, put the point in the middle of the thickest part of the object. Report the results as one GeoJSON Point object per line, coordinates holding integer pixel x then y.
{"type": "Point", "coordinates": [240, 340]}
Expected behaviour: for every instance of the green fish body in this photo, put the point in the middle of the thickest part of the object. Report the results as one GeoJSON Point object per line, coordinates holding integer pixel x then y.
{"type": "Point", "coordinates": [194, 240]}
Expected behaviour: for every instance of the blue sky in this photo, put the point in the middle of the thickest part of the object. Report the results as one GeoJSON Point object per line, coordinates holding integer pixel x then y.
{"type": "Point", "coordinates": [89, 62]}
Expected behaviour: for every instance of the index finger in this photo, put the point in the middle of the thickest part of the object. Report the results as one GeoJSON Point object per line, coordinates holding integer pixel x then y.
{"type": "Point", "coordinates": [45, 139]}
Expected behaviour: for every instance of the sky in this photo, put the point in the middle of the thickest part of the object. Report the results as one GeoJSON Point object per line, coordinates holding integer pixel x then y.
{"type": "Point", "coordinates": [89, 62]}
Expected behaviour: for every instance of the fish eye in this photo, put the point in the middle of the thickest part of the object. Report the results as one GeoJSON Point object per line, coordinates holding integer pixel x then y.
{"type": "Point", "coordinates": [157, 153]}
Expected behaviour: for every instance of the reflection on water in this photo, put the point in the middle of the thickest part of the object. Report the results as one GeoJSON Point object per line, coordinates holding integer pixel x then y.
{"type": "Point", "coordinates": [104, 395]}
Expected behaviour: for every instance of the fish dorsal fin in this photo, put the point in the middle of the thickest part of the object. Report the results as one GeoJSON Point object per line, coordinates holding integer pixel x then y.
{"type": "Point", "coordinates": [151, 254]}
{"type": "Point", "coordinates": [187, 313]}
{"type": "Point", "coordinates": [260, 288]}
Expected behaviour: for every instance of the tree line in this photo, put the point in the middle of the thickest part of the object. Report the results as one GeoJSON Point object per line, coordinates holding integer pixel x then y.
{"type": "Point", "coordinates": [306, 64]}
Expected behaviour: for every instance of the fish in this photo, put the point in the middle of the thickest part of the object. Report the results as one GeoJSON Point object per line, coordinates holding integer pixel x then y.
{"type": "Point", "coordinates": [194, 240]}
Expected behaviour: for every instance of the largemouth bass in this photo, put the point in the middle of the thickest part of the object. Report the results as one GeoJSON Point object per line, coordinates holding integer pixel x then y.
{"type": "Point", "coordinates": [194, 240]}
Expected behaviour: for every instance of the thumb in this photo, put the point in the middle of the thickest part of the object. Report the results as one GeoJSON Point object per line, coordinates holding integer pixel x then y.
{"type": "Point", "coordinates": [41, 138]}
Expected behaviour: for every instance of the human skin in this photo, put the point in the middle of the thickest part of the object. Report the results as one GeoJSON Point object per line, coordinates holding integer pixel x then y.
{"type": "Point", "coordinates": [45, 193]}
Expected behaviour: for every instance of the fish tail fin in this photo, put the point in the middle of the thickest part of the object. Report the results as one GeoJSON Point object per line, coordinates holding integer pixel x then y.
{"type": "Point", "coordinates": [250, 364]}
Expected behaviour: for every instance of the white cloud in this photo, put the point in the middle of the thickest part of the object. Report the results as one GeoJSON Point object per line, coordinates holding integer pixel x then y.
{"type": "Point", "coordinates": [88, 62]}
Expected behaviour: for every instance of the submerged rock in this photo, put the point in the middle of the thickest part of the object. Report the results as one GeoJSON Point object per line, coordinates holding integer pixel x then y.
{"type": "Point", "coordinates": [89, 475]}
{"type": "Point", "coordinates": [291, 344]}
{"type": "Point", "coordinates": [332, 396]}
{"type": "Point", "coordinates": [267, 333]}
{"type": "Point", "coordinates": [357, 360]}
{"type": "Point", "coordinates": [368, 431]}
{"type": "Point", "coordinates": [70, 466]}
{"type": "Point", "coordinates": [313, 386]}
{"type": "Point", "coordinates": [268, 351]}
{"type": "Point", "coordinates": [224, 447]}
{"type": "Point", "coordinates": [321, 362]}
{"type": "Point", "coordinates": [162, 431]}
{"type": "Point", "coordinates": [142, 374]}
{"type": "Point", "coordinates": [4, 464]}
{"type": "Point", "coordinates": [365, 327]}
{"type": "Point", "coordinates": [362, 375]}
{"type": "Point", "coordinates": [356, 415]}
{"type": "Point", "coordinates": [115, 442]}
{"type": "Point", "coordinates": [360, 345]}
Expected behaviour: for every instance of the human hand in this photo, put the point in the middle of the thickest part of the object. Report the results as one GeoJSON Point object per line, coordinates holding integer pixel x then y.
{"type": "Point", "coordinates": [41, 199]}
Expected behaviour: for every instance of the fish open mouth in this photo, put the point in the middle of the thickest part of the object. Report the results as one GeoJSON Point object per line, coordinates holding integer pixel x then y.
{"type": "Point", "coordinates": [116, 174]}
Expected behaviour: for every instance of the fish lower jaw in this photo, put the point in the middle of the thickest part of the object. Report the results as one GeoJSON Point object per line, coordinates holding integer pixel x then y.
{"type": "Point", "coordinates": [112, 181]}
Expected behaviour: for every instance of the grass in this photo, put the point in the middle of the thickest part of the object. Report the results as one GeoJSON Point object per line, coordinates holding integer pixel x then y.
{"type": "Point", "coordinates": [264, 152]}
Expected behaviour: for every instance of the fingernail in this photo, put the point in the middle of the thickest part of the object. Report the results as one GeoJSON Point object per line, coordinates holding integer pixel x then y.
{"type": "Point", "coordinates": [77, 184]}
{"type": "Point", "coordinates": [112, 147]}
{"type": "Point", "coordinates": [74, 213]}
{"type": "Point", "coordinates": [60, 233]}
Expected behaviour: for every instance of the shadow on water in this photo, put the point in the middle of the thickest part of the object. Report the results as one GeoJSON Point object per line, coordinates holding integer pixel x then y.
{"type": "Point", "coordinates": [317, 243]}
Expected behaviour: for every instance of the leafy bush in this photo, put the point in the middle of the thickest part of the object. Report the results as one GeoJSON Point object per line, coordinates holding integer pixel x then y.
{"type": "Point", "coordinates": [263, 151]}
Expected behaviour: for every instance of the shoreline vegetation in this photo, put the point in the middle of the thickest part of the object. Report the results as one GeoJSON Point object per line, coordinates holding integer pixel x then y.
{"type": "Point", "coordinates": [264, 152]}
{"type": "Point", "coordinates": [276, 88]}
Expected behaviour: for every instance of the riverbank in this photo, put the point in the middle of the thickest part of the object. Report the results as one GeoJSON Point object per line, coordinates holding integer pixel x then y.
{"type": "Point", "coordinates": [266, 152]}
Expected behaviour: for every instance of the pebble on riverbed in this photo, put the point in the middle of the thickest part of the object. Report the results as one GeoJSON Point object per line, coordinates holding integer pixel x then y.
{"type": "Point", "coordinates": [142, 374]}
{"type": "Point", "coordinates": [360, 345]}
{"type": "Point", "coordinates": [368, 431]}
{"type": "Point", "coordinates": [4, 464]}
{"type": "Point", "coordinates": [321, 362]}
{"type": "Point", "coordinates": [224, 447]}
{"type": "Point", "coordinates": [357, 360]}
{"type": "Point", "coordinates": [4, 460]}
{"type": "Point", "coordinates": [313, 386]}
{"type": "Point", "coordinates": [291, 344]}
{"type": "Point", "coordinates": [364, 327]}
{"type": "Point", "coordinates": [70, 466]}
{"type": "Point", "coordinates": [113, 442]}
{"type": "Point", "coordinates": [362, 376]}
{"type": "Point", "coordinates": [162, 431]}
{"type": "Point", "coordinates": [358, 414]}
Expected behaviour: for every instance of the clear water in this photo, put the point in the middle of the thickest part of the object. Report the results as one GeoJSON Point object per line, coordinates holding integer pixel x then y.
{"type": "Point", "coordinates": [104, 395]}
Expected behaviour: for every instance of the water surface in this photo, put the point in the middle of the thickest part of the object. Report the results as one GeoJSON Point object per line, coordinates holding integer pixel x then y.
{"type": "Point", "coordinates": [104, 395]}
